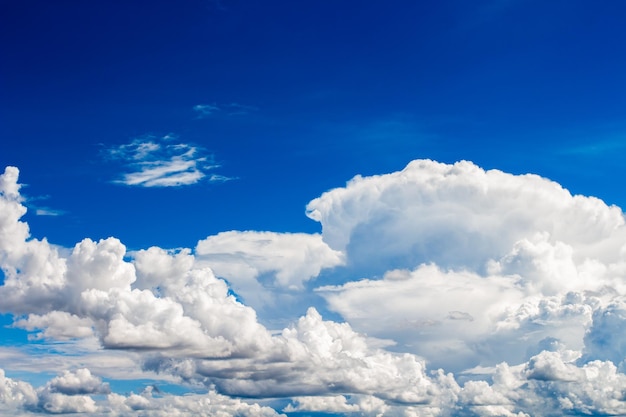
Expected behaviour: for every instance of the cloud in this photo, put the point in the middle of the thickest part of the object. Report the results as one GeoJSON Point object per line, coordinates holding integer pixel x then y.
{"type": "Point", "coordinates": [509, 280]}
{"type": "Point", "coordinates": [191, 313]}
{"type": "Point", "coordinates": [154, 162]}
{"type": "Point", "coordinates": [516, 256]}
{"type": "Point", "coordinates": [205, 110]}
{"type": "Point", "coordinates": [41, 211]}
{"type": "Point", "coordinates": [294, 258]}
{"type": "Point", "coordinates": [15, 394]}
{"type": "Point", "coordinates": [458, 216]}
{"type": "Point", "coordinates": [79, 382]}
{"type": "Point", "coordinates": [229, 109]}
{"type": "Point", "coordinates": [363, 404]}
{"type": "Point", "coordinates": [58, 325]}
{"type": "Point", "coordinates": [73, 393]}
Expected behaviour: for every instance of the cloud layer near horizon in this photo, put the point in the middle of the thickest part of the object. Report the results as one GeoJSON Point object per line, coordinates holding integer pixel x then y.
{"type": "Point", "coordinates": [508, 281]}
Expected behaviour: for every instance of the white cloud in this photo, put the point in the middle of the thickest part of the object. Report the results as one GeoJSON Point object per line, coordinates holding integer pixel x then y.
{"type": "Point", "coordinates": [41, 211]}
{"type": "Point", "coordinates": [158, 162]}
{"type": "Point", "coordinates": [467, 268]}
{"type": "Point", "coordinates": [325, 403]}
{"type": "Point", "coordinates": [58, 325]}
{"type": "Point", "coordinates": [229, 109]}
{"type": "Point", "coordinates": [79, 382]}
{"type": "Point", "coordinates": [15, 394]}
{"type": "Point", "coordinates": [294, 258]}
{"type": "Point", "coordinates": [507, 261]}
{"type": "Point", "coordinates": [72, 393]}
{"type": "Point", "coordinates": [459, 216]}
{"type": "Point", "coordinates": [191, 313]}
{"type": "Point", "coordinates": [606, 337]}
{"type": "Point", "coordinates": [205, 110]}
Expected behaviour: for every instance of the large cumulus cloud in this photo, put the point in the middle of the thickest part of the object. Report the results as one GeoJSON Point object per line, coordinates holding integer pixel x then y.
{"type": "Point", "coordinates": [471, 267]}
{"type": "Point", "coordinates": [91, 291]}
{"type": "Point", "coordinates": [508, 281]}
{"type": "Point", "coordinates": [459, 216]}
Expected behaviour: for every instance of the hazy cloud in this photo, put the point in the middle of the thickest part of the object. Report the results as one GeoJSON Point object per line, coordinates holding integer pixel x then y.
{"type": "Point", "coordinates": [227, 109]}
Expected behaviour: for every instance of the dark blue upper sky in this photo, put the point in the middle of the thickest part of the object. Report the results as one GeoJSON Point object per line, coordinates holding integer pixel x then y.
{"type": "Point", "coordinates": [309, 94]}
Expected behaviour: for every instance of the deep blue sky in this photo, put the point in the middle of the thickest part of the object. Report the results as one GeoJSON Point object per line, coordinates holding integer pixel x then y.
{"type": "Point", "coordinates": [334, 89]}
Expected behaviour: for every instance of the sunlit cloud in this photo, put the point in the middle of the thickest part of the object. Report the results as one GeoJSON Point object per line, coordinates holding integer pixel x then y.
{"type": "Point", "coordinates": [459, 291]}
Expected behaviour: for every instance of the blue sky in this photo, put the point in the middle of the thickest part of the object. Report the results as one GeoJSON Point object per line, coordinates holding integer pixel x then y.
{"type": "Point", "coordinates": [214, 132]}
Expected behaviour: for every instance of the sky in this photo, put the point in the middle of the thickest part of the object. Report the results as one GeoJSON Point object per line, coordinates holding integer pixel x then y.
{"type": "Point", "coordinates": [330, 208]}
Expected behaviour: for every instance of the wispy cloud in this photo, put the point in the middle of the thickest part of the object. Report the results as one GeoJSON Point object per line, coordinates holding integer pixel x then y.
{"type": "Point", "coordinates": [598, 148]}
{"type": "Point", "coordinates": [229, 109]}
{"type": "Point", "coordinates": [205, 110]}
{"type": "Point", "coordinates": [159, 162]}
{"type": "Point", "coordinates": [32, 203]}
{"type": "Point", "coordinates": [45, 211]}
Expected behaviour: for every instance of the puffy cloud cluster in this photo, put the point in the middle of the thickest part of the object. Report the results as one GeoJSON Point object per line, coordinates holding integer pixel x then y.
{"type": "Point", "coordinates": [82, 392]}
{"type": "Point", "coordinates": [509, 281]}
{"type": "Point", "coordinates": [91, 291]}
{"type": "Point", "coordinates": [15, 394]}
{"type": "Point", "coordinates": [459, 216]}
{"type": "Point", "coordinates": [477, 266]}
{"type": "Point", "coordinates": [318, 357]}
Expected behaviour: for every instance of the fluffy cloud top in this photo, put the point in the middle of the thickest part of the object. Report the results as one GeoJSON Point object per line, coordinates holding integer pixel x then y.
{"type": "Point", "coordinates": [459, 216]}
{"type": "Point", "coordinates": [478, 266]}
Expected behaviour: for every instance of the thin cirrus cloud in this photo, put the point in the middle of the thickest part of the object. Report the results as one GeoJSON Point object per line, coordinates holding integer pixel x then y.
{"type": "Point", "coordinates": [503, 294]}
{"type": "Point", "coordinates": [159, 162]}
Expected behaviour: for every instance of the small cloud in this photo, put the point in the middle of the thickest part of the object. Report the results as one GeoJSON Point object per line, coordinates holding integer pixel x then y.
{"type": "Point", "coordinates": [205, 110]}
{"type": "Point", "coordinates": [170, 136]}
{"type": "Point", "coordinates": [158, 162]}
{"type": "Point", "coordinates": [44, 211]}
{"type": "Point", "coordinates": [230, 109]}
{"type": "Point", "coordinates": [220, 178]}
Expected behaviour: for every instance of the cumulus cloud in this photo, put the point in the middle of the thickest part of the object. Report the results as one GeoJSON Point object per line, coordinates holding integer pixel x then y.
{"type": "Point", "coordinates": [459, 216]}
{"type": "Point", "coordinates": [158, 162]}
{"type": "Point", "coordinates": [318, 357]}
{"type": "Point", "coordinates": [294, 258]}
{"type": "Point", "coordinates": [79, 382]}
{"type": "Point", "coordinates": [510, 276]}
{"type": "Point", "coordinates": [57, 325]}
{"type": "Point", "coordinates": [191, 313]}
{"type": "Point", "coordinates": [15, 394]}
{"type": "Point", "coordinates": [80, 392]}
{"type": "Point", "coordinates": [489, 264]}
